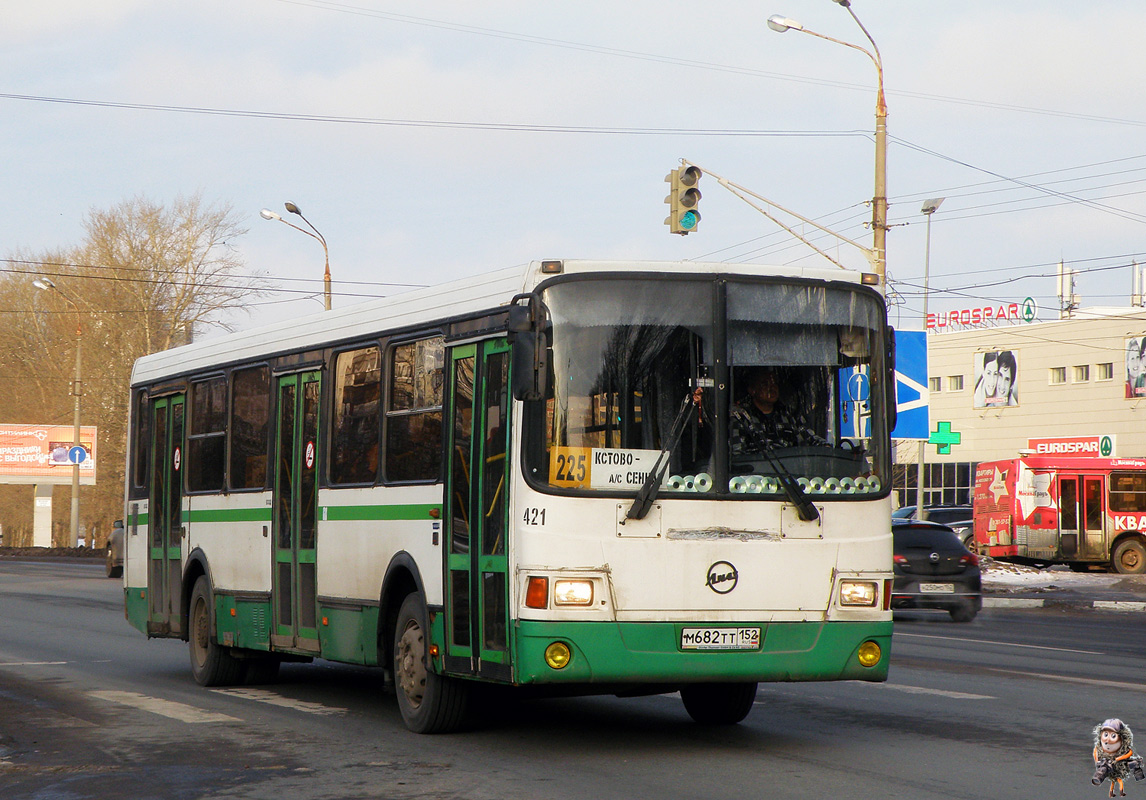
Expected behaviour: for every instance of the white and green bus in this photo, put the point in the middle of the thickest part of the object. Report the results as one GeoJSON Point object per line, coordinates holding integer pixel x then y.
{"type": "Point", "coordinates": [529, 478]}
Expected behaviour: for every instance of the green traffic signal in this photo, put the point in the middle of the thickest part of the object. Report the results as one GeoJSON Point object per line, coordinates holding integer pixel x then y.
{"type": "Point", "coordinates": [683, 198]}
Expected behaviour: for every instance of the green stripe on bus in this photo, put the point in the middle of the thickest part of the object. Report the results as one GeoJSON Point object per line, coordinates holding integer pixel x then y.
{"type": "Point", "coordinates": [398, 512]}
{"type": "Point", "coordinates": [422, 511]}
{"type": "Point", "coordinates": [261, 514]}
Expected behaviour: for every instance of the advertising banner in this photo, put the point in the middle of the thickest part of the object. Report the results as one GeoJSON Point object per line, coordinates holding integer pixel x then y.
{"type": "Point", "coordinates": [1136, 367]}
{"type": "Point", "coordinates": [996, 379]}
{"type": "Point", "coordinates": [45, 454]}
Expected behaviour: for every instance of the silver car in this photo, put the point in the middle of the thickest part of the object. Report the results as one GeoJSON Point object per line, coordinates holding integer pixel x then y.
{"type": "Point", "coordinates": [115, 550]}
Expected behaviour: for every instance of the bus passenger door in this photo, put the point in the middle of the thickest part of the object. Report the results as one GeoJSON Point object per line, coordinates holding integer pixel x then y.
{"type": "Point", "coordinates": [165, 517]}
{"type": "Point", "coordinates": [295, 516]}
{"type": "Point", "coordinates": [1093, 517]}
{"type": "Point", "coordinates": [1082, 516]}
{"type": "Point", "coordinates": [477, 587]}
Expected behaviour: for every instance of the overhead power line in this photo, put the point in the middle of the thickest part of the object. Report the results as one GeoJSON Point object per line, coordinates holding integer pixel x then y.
{"type": "Point", "coordinates": [346, 8]}
{"type": "Point", "coordinates": [427, 123]}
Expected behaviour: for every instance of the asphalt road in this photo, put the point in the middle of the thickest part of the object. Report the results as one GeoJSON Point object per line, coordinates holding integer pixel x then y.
{"type": "Point", "coordinates": [1000, 707]}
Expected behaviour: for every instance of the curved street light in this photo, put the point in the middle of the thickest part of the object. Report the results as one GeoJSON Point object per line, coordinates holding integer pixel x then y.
{"type": "Point", "coordinates": [266, 213]}
{"type": "Point", "coordinates": [929, 208]}
{"type": "Point", "coordinates": [77, 391]}
{"type": "Point", "coordinates": [879, 201]}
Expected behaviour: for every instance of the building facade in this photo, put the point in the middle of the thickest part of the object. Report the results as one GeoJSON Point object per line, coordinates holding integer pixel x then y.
{"type": "Point", "coordinates": [1072, 386]}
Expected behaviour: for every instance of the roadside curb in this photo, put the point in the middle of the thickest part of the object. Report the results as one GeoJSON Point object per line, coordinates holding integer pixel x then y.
{"type": "Point", "coordinates": [1051, 602]}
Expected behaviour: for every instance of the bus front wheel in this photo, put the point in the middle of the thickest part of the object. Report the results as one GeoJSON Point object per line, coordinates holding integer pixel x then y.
{"type": "Point", "coordinates": [211, 663]}
{"type": "Point", "coordinates": [430, 703]}
{"type": "Point", "coordinates": [1130, 557]}
{"type": "Point", "coordinates": [718, 703]}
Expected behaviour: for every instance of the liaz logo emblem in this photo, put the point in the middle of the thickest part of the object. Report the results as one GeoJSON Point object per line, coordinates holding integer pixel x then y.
{"type": "Point", "coordinates": [722, 577]}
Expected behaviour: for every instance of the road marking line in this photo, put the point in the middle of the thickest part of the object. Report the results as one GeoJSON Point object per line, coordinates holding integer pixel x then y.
{"type": "Point", "coordinates": [899, 687]}
{"type": "Point", "coordinates": [1003, 644]}
{"type": "Point", "coordinates": [165, 708]}
{"type": "Point", "coordinates": [31, 663]}
{"type": "Point", "coordinates": [264, 696]}
{"type": "Point", "coordinates": [1134, 687]}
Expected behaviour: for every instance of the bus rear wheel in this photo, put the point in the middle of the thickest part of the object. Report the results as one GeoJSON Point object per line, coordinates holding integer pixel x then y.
{"type": "Point", "coordinates": [211, 663]}
{"type": "Point", "coordinates": [718, 703]}
{"type": "Point", "coordinates": [430, 703]}
{"type": "Point", "coordinates": [1129, 557]}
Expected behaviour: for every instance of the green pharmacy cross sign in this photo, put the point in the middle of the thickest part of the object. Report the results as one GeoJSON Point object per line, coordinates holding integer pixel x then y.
{"type": "Point", "coordinates": [943, 437]}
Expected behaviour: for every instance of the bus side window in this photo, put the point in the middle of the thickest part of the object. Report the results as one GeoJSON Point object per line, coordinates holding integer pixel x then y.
{"type": "Point", "coordinates": [354, 436]}
{"type": "Point", "coordinates": [142, 443]}
{"type": "Point", "coordinates": [249, 428]}
{"type": "Point", "coordinates": [414, 411]}
{"type": "Point", "coordinates": [1128, 492]}
{"type": "Point", "coordinates": [206, 440]}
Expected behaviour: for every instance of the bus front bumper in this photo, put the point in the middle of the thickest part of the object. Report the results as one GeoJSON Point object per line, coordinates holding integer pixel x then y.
{"type": "Point", "coordinates": [645, 652]}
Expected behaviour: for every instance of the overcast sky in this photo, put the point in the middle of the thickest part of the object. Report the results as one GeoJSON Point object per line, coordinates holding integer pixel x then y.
{"type": "Point", "coordinates": [429, 141]}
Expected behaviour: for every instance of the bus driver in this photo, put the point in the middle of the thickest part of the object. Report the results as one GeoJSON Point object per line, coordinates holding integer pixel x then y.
{"type": "Point", "coordinates": [761, 418]}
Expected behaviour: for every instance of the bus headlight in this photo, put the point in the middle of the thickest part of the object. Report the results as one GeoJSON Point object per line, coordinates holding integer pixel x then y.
{"type": "Point", "coordinates": [573, 593]}
{"type": "Point", "coordinates": [858, 593]}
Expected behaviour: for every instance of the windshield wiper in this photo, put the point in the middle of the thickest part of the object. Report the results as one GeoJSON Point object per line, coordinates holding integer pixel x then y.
{"type": "Point", "coordinates": [648, 492]}
{"type": "Point", "coordinates": [804, 507]}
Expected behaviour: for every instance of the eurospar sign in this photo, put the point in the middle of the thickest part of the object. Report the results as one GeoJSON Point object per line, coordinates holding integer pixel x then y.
{"type": "Point", "coordinates": [1095, 446]}
{"type": "Point", "coordinates": [984, 316]}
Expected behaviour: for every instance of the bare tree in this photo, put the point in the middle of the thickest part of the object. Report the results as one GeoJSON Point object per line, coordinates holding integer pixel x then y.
{"type": "Point", "coordinates": [146, 277]}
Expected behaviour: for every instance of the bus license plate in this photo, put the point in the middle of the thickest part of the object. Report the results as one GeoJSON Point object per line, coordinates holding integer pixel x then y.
{"type": "Point", "coordinates": [937, 588]}
{"type": "Point", "coordinates": [720, 639]}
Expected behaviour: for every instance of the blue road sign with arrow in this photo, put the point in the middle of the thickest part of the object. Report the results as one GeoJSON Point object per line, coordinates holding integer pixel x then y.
{"type": "Point", "coordinates": [911, 393]}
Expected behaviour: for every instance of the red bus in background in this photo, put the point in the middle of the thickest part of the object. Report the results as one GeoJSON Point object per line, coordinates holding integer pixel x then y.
{"type": "Point", "coordinates": [1084, 512]}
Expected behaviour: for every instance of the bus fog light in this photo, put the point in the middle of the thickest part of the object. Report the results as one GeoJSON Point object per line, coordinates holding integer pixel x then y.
{"type": "Point", "coordinates": [869, 654]}
{"type": "Point", "coordinates": [572, 593]}
{"type": "Point", "coordinates": [557, 655]}
{"type": "Point", "coordinates": [858, 593]}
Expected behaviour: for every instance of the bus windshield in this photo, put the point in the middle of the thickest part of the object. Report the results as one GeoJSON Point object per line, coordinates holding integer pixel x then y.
{"type": "Point", "coordinates": [738, 381]}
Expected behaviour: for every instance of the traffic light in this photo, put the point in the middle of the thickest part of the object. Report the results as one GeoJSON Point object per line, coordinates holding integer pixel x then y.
{"type": "Point", "coordinates": [683, 199]}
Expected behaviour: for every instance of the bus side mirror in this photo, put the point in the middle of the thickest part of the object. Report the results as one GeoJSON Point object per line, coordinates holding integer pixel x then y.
{"type": "Point", "coordinates": [519, 319]}
{"type": "Point", "coordinates": [892, 389]}
{"type": "Point", "coordinates": [527, 325]}
{"type": "Point", "coordinates": [530, 366]}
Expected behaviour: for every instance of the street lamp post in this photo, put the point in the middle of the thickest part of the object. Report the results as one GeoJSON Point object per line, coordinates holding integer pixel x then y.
{"type": "Point", "coordinates": [266, 213]}
{"type": "Point", "coordinates": [77, 392]}
{"type": "Point", "coordinates": [879, 200]}
{"type": "Point", "coordinates": [929, 208]}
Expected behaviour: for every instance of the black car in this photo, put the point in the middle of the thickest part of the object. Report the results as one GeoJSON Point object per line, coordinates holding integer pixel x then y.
{"type": "Point", "coordinates": [934, 570]}
{"type": "Point", "coordinates": [958, 518]}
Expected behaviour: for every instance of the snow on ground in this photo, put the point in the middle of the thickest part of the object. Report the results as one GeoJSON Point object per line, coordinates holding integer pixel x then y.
{"type": "Point", "coordinates": [1003, 577]}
